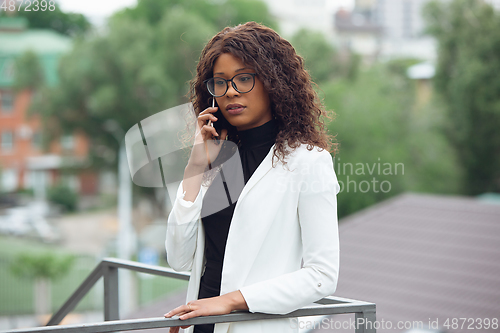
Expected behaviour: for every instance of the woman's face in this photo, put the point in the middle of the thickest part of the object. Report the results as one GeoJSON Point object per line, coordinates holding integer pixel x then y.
{"type": "Point", "coordinates": [242, 110]}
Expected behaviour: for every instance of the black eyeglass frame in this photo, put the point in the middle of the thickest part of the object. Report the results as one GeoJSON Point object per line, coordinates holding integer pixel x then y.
{"type": "Point", "coordinates": [232, 83]}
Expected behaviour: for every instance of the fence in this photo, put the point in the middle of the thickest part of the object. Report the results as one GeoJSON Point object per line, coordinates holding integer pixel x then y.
{"type": "Point", "coordinates": [108, 269]}
{"type": "Point", "coordinates": [17, 294]}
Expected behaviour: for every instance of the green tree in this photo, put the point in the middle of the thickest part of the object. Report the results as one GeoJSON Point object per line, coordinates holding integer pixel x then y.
{"type": "Point", "coordinates": [42, 268]}
{"type": "Point", "coordinates": [29, 72]}
{"type": "Point", "coordinates": [386, 148]}
{"type": "Point", "coordinates": [322, 60]}
{"type": "Point", "coordinates": [127, 75]}
{"type": "Point", "coordinates": [219, 13]}
{"type": "Point", "coordinates": [319, 56]}
{"type": "Point", "coordinates": [467, 79]}
{"type": "Point", "coordinates": [64, 196]}
{"type": "Point", "coordinates": [116, 76]}
{"type": "Point", "coordinates": [180, 37]}
{"type": "Point", "coordinates": [46, 265]}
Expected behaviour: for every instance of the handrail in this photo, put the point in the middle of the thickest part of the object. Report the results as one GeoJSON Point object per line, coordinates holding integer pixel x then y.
{"type": "Point", "coordinates": [108, 269]}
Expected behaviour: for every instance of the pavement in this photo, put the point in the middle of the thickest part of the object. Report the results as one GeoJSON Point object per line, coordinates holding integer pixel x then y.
{"type": "Point", "coordinates": [88, 233]}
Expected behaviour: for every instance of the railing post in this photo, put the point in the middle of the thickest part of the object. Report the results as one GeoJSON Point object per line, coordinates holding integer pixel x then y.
{"type": "Point", "coordinates": [111, 305]}
{"type": "Point", "coordinates": [365, 321]}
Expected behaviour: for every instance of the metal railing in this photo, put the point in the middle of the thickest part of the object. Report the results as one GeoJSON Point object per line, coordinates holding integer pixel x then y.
{"type": "Point", "coordinates": [108, 269]}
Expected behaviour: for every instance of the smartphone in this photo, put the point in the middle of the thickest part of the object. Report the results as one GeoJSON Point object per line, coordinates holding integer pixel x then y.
{"type": "Point", "coordinates": [221, 122]}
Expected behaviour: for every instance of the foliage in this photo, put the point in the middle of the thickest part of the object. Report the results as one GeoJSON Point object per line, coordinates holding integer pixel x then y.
{"type": "Point", "coordinates": [218, 13]}
{"type": "Point", "coordinates": [318, 54]}
{"type": "Point", "coordinates": [29, 72]}
{"type": "Point", "coordinates": [399, 66]}
{"type": "Point", "coordinates": [184, 32]}
{"type": "Point", "coordinates": [70, 24]}
{"type": "Point", "coordinates": [386, 146]}
{"type": "Point", "coordinates": [322, 60]}
{"type": "Point", "coordinates": [26, 191]}
{"type": "Point", "coordinates": [466, 78]}
{"type": "Point", "coordinates": [63, 196]}
{"type": "Point", "coordinates": [17, 292]}
{"type": "Point", "coordinates": [116, 76]}
{"type": "Point", "coordinates": [42, 265]}
{"type": "Point", "coordinates": [352, 67]}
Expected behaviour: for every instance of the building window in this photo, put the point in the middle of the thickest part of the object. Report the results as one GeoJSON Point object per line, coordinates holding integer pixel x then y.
{"type": "Point", "coordinates": [6, 102]}
{"type": "Point", "coordinates": [67, 142]}
{"type": "Point", "coordinates": [7, 143]}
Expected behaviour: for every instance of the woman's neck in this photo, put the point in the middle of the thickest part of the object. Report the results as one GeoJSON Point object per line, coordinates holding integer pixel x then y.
{"type": "Point", "coordinates": [259, 136]}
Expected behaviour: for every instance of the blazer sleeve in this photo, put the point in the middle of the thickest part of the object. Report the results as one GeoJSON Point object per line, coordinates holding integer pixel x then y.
{"type": "Point", "coordinates": [317, 213]}
{"type": "Point", "coordinates": [182, 228]}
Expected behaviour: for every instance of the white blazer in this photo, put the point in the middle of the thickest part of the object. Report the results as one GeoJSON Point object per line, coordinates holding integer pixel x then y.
{"type": "Point", "coordinates": [281, 218]}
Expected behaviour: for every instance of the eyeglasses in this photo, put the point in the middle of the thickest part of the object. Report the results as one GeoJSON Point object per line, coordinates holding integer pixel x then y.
{"type": "Point", "coordinates": [242, 83]}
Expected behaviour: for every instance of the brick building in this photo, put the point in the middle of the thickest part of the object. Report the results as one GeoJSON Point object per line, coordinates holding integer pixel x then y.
{"type": "Point", "coordinates": [23, 162]}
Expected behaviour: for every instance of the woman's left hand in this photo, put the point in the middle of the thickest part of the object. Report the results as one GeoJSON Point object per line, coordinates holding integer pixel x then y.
{"type": "Point", "coordinates": [209, 307]}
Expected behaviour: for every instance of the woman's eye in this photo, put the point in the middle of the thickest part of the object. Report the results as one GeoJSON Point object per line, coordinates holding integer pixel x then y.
{"type": "Point", "coordinates": [244, 78]}
{"type": "Point", "coordinates": [220, 82]}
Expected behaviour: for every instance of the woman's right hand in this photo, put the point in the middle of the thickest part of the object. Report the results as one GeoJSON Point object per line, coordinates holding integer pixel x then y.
{"type": "Point", "coordinates": [206, 148]}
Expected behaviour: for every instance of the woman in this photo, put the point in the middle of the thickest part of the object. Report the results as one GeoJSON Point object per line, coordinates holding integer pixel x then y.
{"type": "Point", "coordinates": [246, 255]}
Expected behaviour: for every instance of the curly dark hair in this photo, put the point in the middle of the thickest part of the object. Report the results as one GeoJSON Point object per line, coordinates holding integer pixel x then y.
{"type": "Point", "coordinates": [294, 103]}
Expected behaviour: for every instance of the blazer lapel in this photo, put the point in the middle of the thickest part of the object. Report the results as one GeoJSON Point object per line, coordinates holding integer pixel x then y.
{"type": "Point", "coordinates": [260, 172]}
{"type": "Point", "coordinates": [243, 242]}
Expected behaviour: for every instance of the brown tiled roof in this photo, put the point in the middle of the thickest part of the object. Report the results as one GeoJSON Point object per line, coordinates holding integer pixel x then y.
{"type": "Point", "coordinates": [421, 257]}
{"type": "Point", "coordinates": [158, 309]}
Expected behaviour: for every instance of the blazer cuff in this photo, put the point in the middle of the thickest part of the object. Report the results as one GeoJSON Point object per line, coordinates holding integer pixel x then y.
{"type": "Point", "coordinates": [187, 211]}
{"type": "Point", "coordinates": [248, 292]}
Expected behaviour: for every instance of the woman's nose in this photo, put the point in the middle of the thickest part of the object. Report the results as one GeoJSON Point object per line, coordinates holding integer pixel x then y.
{"type": "Point", "coordinates": [231, 91]}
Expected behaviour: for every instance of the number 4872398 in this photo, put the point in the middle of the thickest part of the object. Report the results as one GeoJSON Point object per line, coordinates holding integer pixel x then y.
{"type": "Point", "coordinates": [28, 5]}
{"type": "Point", "coordinates": [471, 323]}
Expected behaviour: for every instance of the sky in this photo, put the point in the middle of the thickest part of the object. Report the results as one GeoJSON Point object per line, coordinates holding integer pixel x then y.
{"type": "Point", "coordinates": [100, 9]}
{"type": "Point", "coordinates": [96, 11]}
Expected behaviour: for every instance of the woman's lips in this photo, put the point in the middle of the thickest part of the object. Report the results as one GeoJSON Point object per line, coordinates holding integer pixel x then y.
{"type": "Point", "coordinates": [234, 109]}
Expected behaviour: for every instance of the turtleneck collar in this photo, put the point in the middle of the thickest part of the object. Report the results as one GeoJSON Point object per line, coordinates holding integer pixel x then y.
{"type": "Point", "coordinates": [262, 135]}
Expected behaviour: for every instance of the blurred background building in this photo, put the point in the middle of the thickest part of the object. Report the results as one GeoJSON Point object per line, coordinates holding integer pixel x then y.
{"type": "Point", "coordinates": [385, 29]}
{"type": "Point", "coordinates": [24, 163]}
{"type": "Point", "coordinates": [494, 3]}
{"type": "Point", "coordinates": [293, 15]}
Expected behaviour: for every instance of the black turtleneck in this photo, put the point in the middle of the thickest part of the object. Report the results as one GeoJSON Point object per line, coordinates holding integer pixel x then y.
{"type": "Point", "coordinates": [255, 144]}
